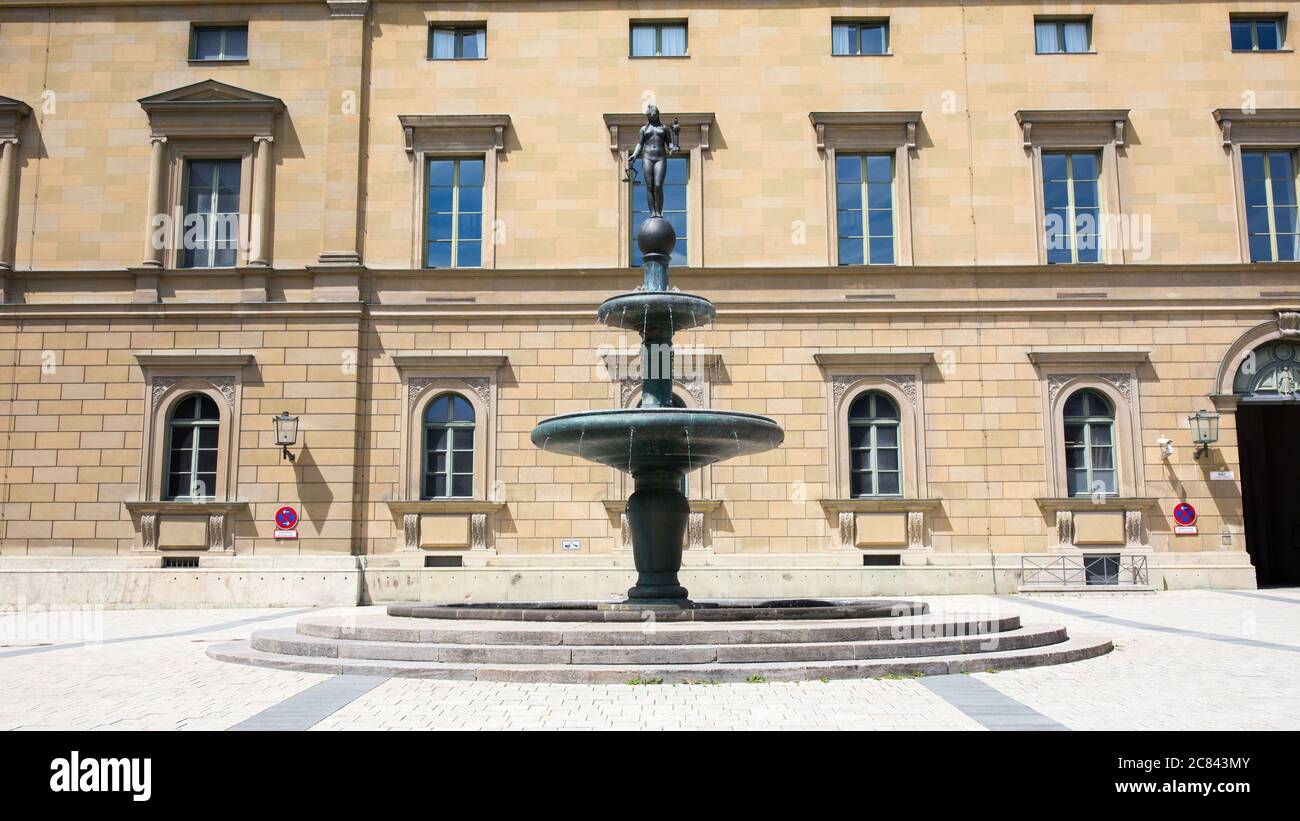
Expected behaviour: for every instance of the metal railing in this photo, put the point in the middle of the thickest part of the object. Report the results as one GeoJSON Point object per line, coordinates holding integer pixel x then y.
{"type": "Point", "coordinates": [1104, 570]}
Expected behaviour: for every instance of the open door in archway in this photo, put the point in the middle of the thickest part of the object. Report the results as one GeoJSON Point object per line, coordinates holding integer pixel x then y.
{"type": "Point", "coordinates": [1268, 436]}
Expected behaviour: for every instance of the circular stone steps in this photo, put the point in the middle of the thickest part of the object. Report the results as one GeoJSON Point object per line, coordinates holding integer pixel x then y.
{"type": "Point", "coordinates": [682, 652]}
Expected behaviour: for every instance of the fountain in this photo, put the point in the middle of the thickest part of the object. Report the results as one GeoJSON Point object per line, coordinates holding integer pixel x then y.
{"type": "Point", "coordinates": [657, 443]}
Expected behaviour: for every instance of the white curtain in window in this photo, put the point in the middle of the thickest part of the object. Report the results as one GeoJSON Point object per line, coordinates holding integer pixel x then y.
{"type": "Point", "coordinates": [444, 44]}
{"type": "Point", "coordinates": [674, 41]}
{"type": "Point", "coordinates": [480, 41]}
{"type": "Point", "coordinates": [841, 40]}
{"type": "Point", "coordinates": [1076, 37]}
{"type": "Point", "coordinates": [1045, 37]}
{"type": "Point", "coordinates": [643, 41]}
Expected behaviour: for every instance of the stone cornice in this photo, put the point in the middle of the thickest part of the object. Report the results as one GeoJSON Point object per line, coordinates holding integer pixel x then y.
{"type": "Point", "coordinates": [196, 508]}
{"type": "Point", "coordinates": [834, 359]}
{"type": "Point", "coordinates": [477, 132]}
{"type": "Point", "coordinates": [1088, 356]}
{"type": "Point", "coordinates": [211, 109]}
{"type": "Point", "coordinates": [12, 114]}
{"type": "Point", "coordinates": [1275, 120]}
{"type": "Point", "coordinates": [450, 361]}
{"type": "Point", "coordinates": [182, 359]}
{"type": "Point", "coordinates": [624, 129]}
{"type": "Point", "coordinates": [1111, 120]}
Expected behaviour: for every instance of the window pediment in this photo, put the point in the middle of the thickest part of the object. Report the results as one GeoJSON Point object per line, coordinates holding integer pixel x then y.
{"type": "Point", "coordinates": [12, 114]}
{"type": "Point", "coordinates": [865, 130]}
{"type": "Point", "coordinates": [211, 109]}
{"type": "Point", "coordinates": [625, 128]}
{"type": "Point", "coordinates": [1263, 125]}
{"type": "Point", "coordinates": [1073, 127]}
{"type": "Point", "coordinates": [454, 132]}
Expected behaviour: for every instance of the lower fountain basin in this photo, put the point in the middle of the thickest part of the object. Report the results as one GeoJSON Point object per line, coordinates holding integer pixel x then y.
{"type": "Point", "coordinates": [648, 311]}
{"type": "Point", "coordinates": [640, 440]}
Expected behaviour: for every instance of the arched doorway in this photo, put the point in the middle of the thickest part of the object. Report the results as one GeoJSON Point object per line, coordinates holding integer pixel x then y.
{"type": "Point", "coordinates": [1268, 438]}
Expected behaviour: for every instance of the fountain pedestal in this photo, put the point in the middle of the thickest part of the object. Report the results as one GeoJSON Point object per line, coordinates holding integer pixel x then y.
{"type": "Point", "coordinates": [657, 443]}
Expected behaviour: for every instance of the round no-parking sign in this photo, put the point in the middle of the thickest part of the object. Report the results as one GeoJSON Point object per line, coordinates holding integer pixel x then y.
{"type": "Point", "coordinates": [286, 518]}
{"type": "Point", "coordinates": [1185, 514]}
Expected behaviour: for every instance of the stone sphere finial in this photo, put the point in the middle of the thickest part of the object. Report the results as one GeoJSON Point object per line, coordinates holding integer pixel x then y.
{"type": "Point", "coordinates": [656, 236]}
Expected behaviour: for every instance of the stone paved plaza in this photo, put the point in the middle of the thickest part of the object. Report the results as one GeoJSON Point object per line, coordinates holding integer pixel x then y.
{"type": "Point", "coordinates": [1197, 660]}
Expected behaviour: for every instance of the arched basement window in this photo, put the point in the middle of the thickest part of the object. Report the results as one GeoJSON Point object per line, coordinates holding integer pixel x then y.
{"type": "Point", "coordinates": [448, 448]}
{"type": "Point", "coordinates": [874, 468]}
{"type": "Point", "coordinates": [1090, 445]}
{"type": "Point", "coordinates": [1269, 370]}
{"type": "Point", "coordinates": [193, 432]}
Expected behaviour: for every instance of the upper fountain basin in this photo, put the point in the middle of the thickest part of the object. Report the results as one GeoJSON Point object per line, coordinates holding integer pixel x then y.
{"type": "Point", "coordinates": [657, 439]}
{"type": "Point", "coordinates": [649, 311]}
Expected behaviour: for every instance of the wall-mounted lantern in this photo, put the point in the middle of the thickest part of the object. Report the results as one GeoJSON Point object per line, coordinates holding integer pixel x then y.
{"type": "Point", "coordinates": [1205, 430]}
{"type": "Point", "coordinates": [286, 433]}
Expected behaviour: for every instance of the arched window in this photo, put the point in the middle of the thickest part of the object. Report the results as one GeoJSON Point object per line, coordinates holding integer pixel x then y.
{"type": "Point", "coordinates": [1090, 445]}
{"type": "Point", "coordinates": [874, 468]}
{"type": "Point", "coordinates": [193, 431]}
{"type": "Point", "coordinates": [448, 448]}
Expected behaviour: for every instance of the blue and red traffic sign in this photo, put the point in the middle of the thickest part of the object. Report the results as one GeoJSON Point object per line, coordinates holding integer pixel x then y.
{"type": "Point", "coordinates": [286, 518]}
{"type": "Point", "coordinates": [1185, 514]}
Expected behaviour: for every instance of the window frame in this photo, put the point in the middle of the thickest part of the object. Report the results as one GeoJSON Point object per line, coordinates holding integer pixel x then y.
{"type": "Point", "coordinates": [659, 26]}
{"type": "Point", "coordinates": [1273, 233]}
{"type": "Point", "coordinates": [451, 426]}
{"type": "Point", "coordinates": [195, 28]}
{"type": "Point", "coordinates": [635, 205]}
{"type": "Point", "coordinates": [858, 23]}
{"type": "Point", "coordinates": [170, 426]}
{"type": "Point", "coordinates": [1070, 154]}
{"type": "Point", "coordinates": [1060, 22]}
{"type": "Point", "coordinates": [874, 423]}
{"type": "Point", "coordinates": [1279, 19]}
{"type": "Point", "coordinates": [866, 210]}
{"type": "Point", "coordinates": [455, 213]}
{"type": "Point", "coordinates": [241, 229]}
{"type": "Point", "coordinates": [1110, 422]}
{"type": "Point", "coordinates": [458, 28]}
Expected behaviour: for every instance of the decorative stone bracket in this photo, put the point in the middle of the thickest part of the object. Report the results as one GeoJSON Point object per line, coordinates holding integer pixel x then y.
{"type": "Point", "coordinates": [696, 525]}
{"type": "Point", "coordinates": [1092, 522]}
{"type": "Point", "coordinates": [465, 522]}
{"type": "Point", "coordinates": [853, 535]}
{"type": "Point", "coordinates": [215, 519]}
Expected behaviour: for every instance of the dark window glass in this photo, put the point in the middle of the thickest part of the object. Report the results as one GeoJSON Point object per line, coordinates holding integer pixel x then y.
{"type": "Point", "coordinates": [458, 42]}
{"type": "Point", "coordinates": [1090, 445]}
{"type": "Point", "coordinates": [454, 215]}
{"type": "Point", "coordinates": [193, 436]}
{"type": "Point", "coordinates": [215, 43]}
{"type": "Point", "coordinates": [210, 232]}
{"type": "Point", "coordinates": [448, 448]}
{"type": "Point", "coordinates": [864, 198]}
{"type": "Point", "coordinates": [874, 459]}
{"type": "Point", "coordinates": [658, 40]}
{"type": "Point", "coordinates": [675, 194]}
{"type": "Point", "coordinates": [850, 37]}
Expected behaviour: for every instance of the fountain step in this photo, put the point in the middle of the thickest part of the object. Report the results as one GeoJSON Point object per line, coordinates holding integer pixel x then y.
{"type": "Point", "coordinates": [1072, 649]}
{"type": "Point", "coordinates": [467, 632]}
{"type": "Point", "coordinates": [290, 643]}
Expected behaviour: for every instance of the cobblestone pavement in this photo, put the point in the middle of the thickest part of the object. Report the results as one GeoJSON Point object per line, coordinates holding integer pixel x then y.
{"type": "Point", "coordinates": [1184, 660]}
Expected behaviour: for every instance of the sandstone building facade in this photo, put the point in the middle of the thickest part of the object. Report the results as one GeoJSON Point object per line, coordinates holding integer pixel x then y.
{"type": "Point", "coordinates": [982, 262]}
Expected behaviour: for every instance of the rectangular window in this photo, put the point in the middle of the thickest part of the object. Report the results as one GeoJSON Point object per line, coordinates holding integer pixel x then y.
{"type": "Point", "coordinates": [675, 182]}
{"type": "Point", "coordinates": [1269, 178]}
{"type": "Point", "coordinates": [1055, 36]}
{"type": "Point", "coordinates": [210, 233]}
{"type": "Point", "coordinates": [864, 201]}
{"type": "Point", "coordinates": [850, 37]}
{"type": "Point", "coordinates": [1258, 33]}
{"type": "Point", "coordinates": [218, 43]}
{"type": "Point", "coordinates": [458, 42]}
{"type": "Point", "coordinates": [659, 39]}
{"type": "Point", "coordinates": [454, 223]}
{"type": "Point", "coordinates": [1072, 206]}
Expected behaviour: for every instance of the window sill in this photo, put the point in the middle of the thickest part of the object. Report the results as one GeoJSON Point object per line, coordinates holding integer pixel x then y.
{"type": "Point", "coordinates": [238, 61]}
{"type": "Point", "coordinates": [1102, 504]}
{"type": "Point", "coordinates": [206, 506]}
{"type": "Point", "coordinates": [885, 54]}
{"type": "Point", "coordinates": [1263, 51]}
{"type": "Point", "coordinates": [659, 57]}
{"type": "Point", "coordinates": [446, 506]}
{"type": "Point", "coordinates": [455, 59]}
{"type": "Point", "coordinates": [879, 504]}
{"type": "Point", "coordinates": [1064, 53]}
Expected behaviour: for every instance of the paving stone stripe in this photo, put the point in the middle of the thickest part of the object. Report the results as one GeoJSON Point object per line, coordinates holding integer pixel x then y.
{"type": "Point", "coordinates": [987, 705]}
{"type": "Point", "coordinates": [194, 631]}
{"type": "Point", "coordinates": [1253, 595]}
{"type": "Point", "coordinates": [1159, 628]}
{"type": "Point", "coordinates": [313, 705]}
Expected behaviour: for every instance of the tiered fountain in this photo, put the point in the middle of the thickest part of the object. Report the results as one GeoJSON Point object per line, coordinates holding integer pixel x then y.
{"type": "Point", "coordinates": [657, 443]}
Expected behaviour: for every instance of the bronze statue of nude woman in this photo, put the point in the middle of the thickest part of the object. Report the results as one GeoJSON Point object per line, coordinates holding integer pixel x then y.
{"type": "Point", "coordinates": [654, 145]}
